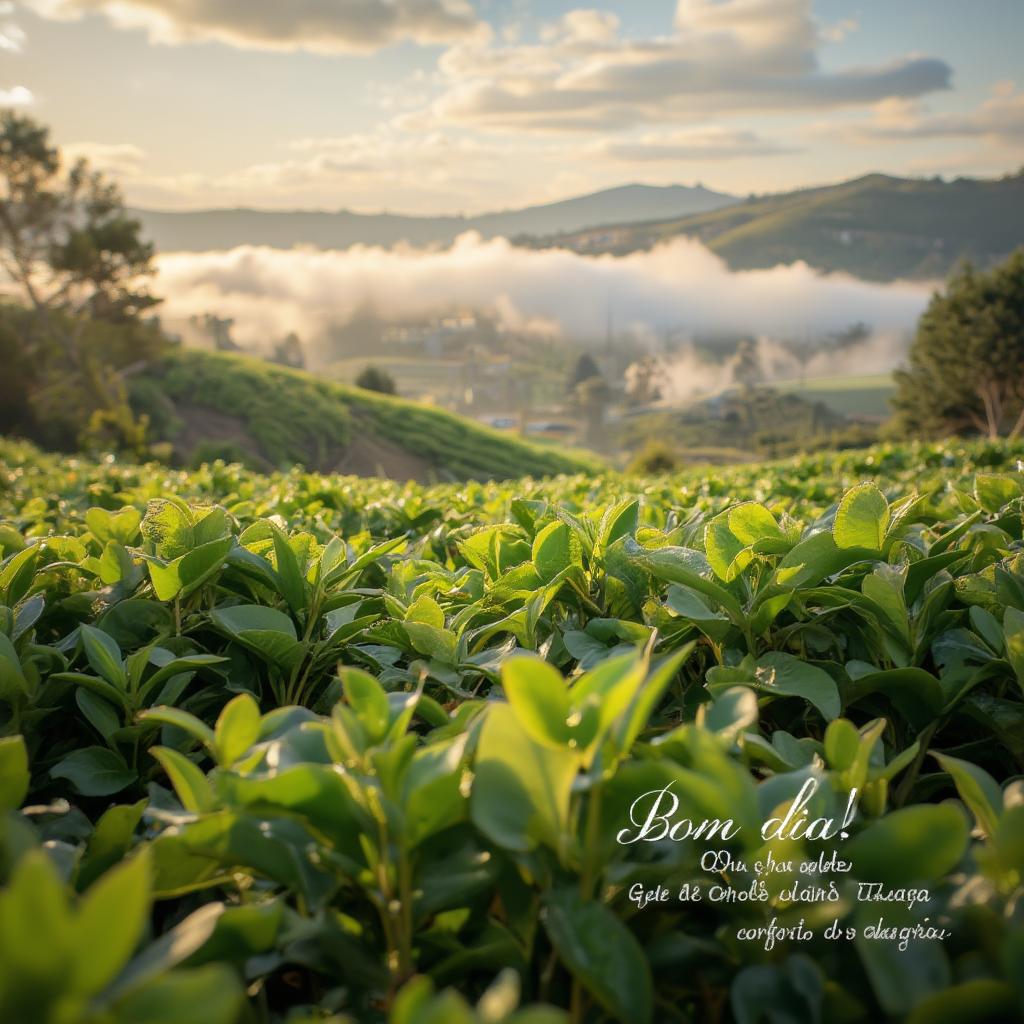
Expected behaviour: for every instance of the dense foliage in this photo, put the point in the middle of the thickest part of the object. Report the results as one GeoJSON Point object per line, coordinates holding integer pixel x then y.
{"type": "Point", "coordinates": [271, 416]}
{"type": "Point", "coordinates": [372, 378]}
{"type": "Point", "coordinates": [305, 747]}
{"type": "Point", "coordinates": [756, 419]}
{"type": "Point", "coordinates": [966, 370]}
{"type": "Point", "coordinates": [75, 261]}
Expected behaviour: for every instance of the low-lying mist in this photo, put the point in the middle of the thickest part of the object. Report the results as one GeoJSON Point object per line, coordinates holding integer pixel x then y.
{"type": "Point", "coordinates": [680, 286]}
{"type": "Point", "coordinates": [690, 372]}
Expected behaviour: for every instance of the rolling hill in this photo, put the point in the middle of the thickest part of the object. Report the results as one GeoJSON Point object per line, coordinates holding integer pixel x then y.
{"type": "Point", "coordinates": [214, 405]}
{"type": "Point", "coordinates": [876, 227]}
{"type": "Point", "coordinates": [198, 230]}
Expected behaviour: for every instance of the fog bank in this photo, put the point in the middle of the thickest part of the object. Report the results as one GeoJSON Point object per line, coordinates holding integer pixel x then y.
{"type": "Point", "coordinates": [679, 286]}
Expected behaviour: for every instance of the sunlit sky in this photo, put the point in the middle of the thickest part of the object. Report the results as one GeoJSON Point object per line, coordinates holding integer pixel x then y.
{"type": "Point", "coordinates": [430, 106]}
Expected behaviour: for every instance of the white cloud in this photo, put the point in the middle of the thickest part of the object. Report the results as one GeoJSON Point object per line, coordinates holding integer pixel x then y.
{"type": "Point", "coordinates": [677, 285]}
{"type": "Point", "coordinates": [17, 96]}
{"type": "Point", "coordinates": [12, 36]}
{"type": "Point", "coordinates": [322, 26]}
{"type": "Point", "coordinates": [115, 158]}
{"type": "Point", "coordinates": [723, 57]}
{"type": "Point", "coordinates": [782, 28]}
{"type": "Point", "coordinates": [840, 30]}
{"type": "Point", "coordinates": [582, 26]}
{"type": "Point", "coordinates": [1000, 118]}
{"type": "Point", "coordinates": [383, 168]}
{"type": "Point", "coordinates": [710, 143]}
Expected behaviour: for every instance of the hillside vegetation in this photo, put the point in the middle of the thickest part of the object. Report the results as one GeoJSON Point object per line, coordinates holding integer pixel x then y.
{"type": "Point", "coordinates": [865, 396]}
{"type": "Point", "coordinates": [191, 230]}
{"type": "Point", "coordinates": [301, 747]}
{"type": "Point", "coordinates": [216, 405]}
{"type": "Point", "coordinates": [876, 227]}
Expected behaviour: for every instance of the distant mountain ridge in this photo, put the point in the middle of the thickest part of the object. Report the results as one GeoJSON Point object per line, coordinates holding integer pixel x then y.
{"type": "Point", "coordinates": [876, 227]}
{"type": "Point", "coordinates": [198, 230]}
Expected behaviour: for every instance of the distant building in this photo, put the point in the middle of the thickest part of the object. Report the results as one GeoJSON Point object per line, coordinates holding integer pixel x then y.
{"type": "Point", "coordinates": [433, 338]}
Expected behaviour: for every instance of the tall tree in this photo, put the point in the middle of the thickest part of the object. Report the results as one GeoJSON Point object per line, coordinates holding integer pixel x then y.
{"type": "Point", "coordinates": [216, 329]}
{"type": "Point", "coordinates": [65, 237]}
{"type": "Point", "coordinates": [585, 368]}
{"type": "Point", "coordinates": [289, 352]}
{"type": "Point", "coordinates": [966, 369]}
{"type": "Point", "coordinates": [81, 267]}
{"type": "Point", "coordinates": [592, 398]}
{"type": "Point", "coordinates": [746, 364]}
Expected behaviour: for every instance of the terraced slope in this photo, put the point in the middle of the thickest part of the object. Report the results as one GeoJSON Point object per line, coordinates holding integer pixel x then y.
{"type": "Point", "coordinates": [208, 406]}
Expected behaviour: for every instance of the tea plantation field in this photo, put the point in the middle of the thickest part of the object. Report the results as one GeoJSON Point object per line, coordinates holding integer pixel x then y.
{"type": "Point", "coordinates": [309, 748]}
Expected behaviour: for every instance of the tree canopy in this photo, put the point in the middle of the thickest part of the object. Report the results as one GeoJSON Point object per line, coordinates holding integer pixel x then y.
{"type": "Point", "coordinates": [585, 368]}
{"type": "Point", "coordinates": [966, 371]}
{"type": "Point", "coordinates": [65, 237]}
{"type": "Point", "coordinates": [372, 378]}
{"type": "Point", "coordinates": [81, 270]}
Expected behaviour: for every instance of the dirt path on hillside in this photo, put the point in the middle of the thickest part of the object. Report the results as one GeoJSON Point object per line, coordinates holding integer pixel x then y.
{"type": "Point", "coordinates": [371, 455]}
{"type": "Point", "coordinates": [366, 454]}
{"type": "Point", "coordinates": [202, 425]}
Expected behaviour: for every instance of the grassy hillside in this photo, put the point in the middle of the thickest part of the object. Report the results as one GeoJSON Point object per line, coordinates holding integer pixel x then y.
{"type": "Point", "coordinates": [210, 405]}
{"type": "Point", "coordinates": [864, 396]}
{"type": "Point", "coordinates": [876, 227]}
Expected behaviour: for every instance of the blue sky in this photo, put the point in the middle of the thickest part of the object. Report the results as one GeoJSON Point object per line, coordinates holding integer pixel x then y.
{"type": "Point", "coordinates": [430, 106]}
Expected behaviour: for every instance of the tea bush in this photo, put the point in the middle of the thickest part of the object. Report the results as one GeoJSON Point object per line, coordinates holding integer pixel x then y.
{"type": "Point", "coordinates": [298, 748]}
{"type": "Point", "coordinates": [289, 416]}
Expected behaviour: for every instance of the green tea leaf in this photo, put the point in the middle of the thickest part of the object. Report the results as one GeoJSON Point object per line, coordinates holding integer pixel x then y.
{"type": "Point", "coordinates": [211, 994]}
{"type": "Point", "coordinates": [552, 551]}
{"type": "Point", "coordinates": [181, 720]}
{"type": "Point", "coordinates": [171, 949]}
{"type": "Point", "coordinates": [781, 673]}
{"type": "Point", "coordinates": [862, 518]}
{"type": "Point", "coordinates": [842, 743]}
{"type": "Point", "coordinates": [520, 794]}
{"type": "Point", "coordinates": [914, 844]}
{"type": "Point", "coordinates": [238, 619]}
{"type": "Point", "coordinates": [427, 611]}
{"type": "Point", "coordinates": [16, 573]}
{"type": "Point", "coordinates": [977, 789]}
{"type": "Point", "coordinates": [687, 604]}
{"type": "Point", "coordinates": [750, 522]}
{"type": "Point", "coordinates": [369, 701]}
{"type": "Point", "coordinates": [167, 527]}
{"type": "Point", "coordinates": [994, 490]}
{"type": "Point", "coordinates": [94, 771]}
{"type": "Point", "coordinates": [293, 583]}
{"type": "Point", "coordinates": [238, 727]}
{"type": "Point", "coordinates": [101, 714]}
{"type": "Point", "coordinates": [14, 774]}
{"type": "Point", "coordinates": [539, 697]}
{"type": "Point", "coordinates": [602, 954]}
{"type": "Point", "coordinates": [728, 555]}
{"type": "Point", "coordinates": [190, 571]}
{"type": "Point", "coordinates": [109, 924]}
{"type": "Point", "coordinates": [110, 841]}
{"type": "Point", "coordinates": [121, 526]}
{"type": "Point", "coordinates": [104, 655]}
{"type": "Point", "coordinates": [190, 784]}
{"type": "Point", "coordinates": [1013, 629]}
